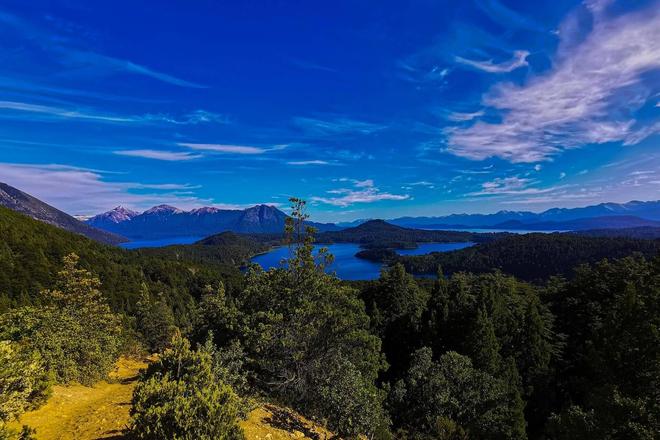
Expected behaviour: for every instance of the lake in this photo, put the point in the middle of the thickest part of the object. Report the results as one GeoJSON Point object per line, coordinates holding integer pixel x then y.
{"type": "Point", "coordinates": [347, 265]}
{"type": "Point", "coordinates": [159, 243]}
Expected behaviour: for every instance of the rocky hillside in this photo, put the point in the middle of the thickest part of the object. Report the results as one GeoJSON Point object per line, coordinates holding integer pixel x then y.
{"type": "Point", "coordinates": [24, 203]}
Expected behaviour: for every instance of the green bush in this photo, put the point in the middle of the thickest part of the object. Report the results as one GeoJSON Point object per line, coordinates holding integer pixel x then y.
{"type": "Point", "coordinates": [180, 398]}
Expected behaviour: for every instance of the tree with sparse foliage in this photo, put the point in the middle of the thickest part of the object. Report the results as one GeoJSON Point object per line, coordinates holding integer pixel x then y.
{"type": "Point", "coordinates": [76, 334]}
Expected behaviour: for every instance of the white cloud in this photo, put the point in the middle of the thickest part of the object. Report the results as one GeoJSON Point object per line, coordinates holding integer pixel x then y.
{"type": "Point", "coordinates": [511, 186]}
{"type": "Point", "coordinates": [172, 156]}
{"type": "Point", "coordinates": [562, 175]}
{"type": "Point", "coordinates": [309, 162]}
{"type": "Point", "coordinates": [519, 59]}
{"type": "Point", "coordinates": [463, 117]}
{"type": "Point", "coordinates": [588, 97]}
{"type": "Point", "coordinates": [83, 191]}
{"type": "Point", "coordinates": [221, 148]}
{"type": "Point", "coordinates": [364, 191]}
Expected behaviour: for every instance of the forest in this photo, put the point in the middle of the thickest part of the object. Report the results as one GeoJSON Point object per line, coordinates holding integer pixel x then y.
{"type": "Point", "coordinates": [479, 352]}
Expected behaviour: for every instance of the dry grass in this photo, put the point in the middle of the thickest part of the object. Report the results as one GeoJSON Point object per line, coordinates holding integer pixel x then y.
{"type": "Point", "coordinates": [78, 412]}
{"type": "Point", "coordinates": [87, 413]}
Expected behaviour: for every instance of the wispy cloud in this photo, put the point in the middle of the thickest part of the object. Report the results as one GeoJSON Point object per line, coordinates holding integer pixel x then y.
{"type": "Point", "coordinates": [589, 97]}
{"type": "Point", "coordinates": [310, 162]}
{"type": "Point", "coordinates": [462, 117]}
{"type": "Point", "coordinates": [364, 191]}
{"type": "Point", "coordinates": [170, 156]}
{"type": "Point", "coordinates": [49, 111]}
{"type": "Point", "coordinates": [336, 126]}
{"type": "Point", "coordinates": [222, 148]}
{"type": "Point", "coordinates": [111, 64]}
{"type": "Point", "coordinates": [511, 186]}
{"type": "Point", "coordinates": [308, 65]}
{"type": "Point", "coordinates": [519, 59]}
{"type": "Point", "coordinates": [507, 17]}
{"type": "Point", "coordinates": [60, 112]}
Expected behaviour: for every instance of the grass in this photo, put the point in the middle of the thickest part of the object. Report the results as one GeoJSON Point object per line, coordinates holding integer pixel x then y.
{"type": "Point", "coordinates": [77, 412]}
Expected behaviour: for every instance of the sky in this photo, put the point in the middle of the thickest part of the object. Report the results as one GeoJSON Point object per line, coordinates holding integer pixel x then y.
{"type": "Point", "coordinates": [363, 108]}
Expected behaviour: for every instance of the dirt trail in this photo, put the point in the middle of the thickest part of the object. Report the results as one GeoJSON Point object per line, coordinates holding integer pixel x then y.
{"type": "Point", "coordinates": [102, 412]}
{"type": "Point", "coordinates": [87, 413]}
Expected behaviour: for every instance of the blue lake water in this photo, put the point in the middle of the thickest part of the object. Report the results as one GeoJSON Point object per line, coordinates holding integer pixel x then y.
{"type": "Point", "coordinates": [347, 265]}
{"type": "Point", "coordinates": [159, 243]}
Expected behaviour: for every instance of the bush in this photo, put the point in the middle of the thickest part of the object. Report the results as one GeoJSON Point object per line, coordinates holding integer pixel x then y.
{"type": "Point", "coordinates": [179, 398]}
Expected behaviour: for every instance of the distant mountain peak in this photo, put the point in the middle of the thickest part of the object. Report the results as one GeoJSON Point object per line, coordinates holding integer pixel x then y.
{"type": "Point", "coordinates": [205, 210]}
{"type": "Point", "coordinates": [163, 209]}
{"type": "Point", "coordinates": [118, 214]}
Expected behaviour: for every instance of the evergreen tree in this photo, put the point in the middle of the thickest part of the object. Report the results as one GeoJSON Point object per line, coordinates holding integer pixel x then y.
{"type": "Point", "coordinates": [482, 344]}
{"type": "Point", "coordinates": [155, 321]}
{"type": "Point", "coordinates": [180, 398]}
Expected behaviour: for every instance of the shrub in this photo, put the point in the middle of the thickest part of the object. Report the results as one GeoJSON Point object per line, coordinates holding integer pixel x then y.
{"type": "Point", "coordinates": [179, 398]}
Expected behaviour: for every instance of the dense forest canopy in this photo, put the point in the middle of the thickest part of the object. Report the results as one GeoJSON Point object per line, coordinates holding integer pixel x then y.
{"type": "Point", "coordinates": [471, 354]}
{"type": "Point", "coordinates": [531, 257]}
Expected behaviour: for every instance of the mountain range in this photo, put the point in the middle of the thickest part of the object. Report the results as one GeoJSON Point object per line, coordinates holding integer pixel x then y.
{"type": "Point", "coordinates": [24, 203]}
{"type": "Point", "coordinates": [166, 221]}
{"type": "Point", "coordinates": [630, 214]}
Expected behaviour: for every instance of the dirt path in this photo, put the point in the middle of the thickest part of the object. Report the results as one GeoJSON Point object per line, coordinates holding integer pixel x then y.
{"type": "Point", "coordinates": [102, 412]}
{"type": "Point", "coordinates": [87, 413]}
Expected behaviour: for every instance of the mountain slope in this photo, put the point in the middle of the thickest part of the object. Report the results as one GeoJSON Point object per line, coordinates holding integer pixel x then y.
{"type": "Point", "coordinates": [24, 203]}
{"type": "Point", "coordinates": [166, 221]}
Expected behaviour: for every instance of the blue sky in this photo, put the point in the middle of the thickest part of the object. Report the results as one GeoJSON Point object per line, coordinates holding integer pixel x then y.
{"type": "Point", "coordinates": [364, 108]}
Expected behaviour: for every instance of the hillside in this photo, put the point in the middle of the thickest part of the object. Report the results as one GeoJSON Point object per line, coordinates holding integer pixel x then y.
{"type": "Point", "coordinates": [31, 253]}
{"type": "Point", "coordinates": [19, 201]}
{"type": "Point", "coordinates": [531, 257]}
{"type": "Point", "coordinates": [379, 233]}
{"type": "Point", "coordinates": [645, 232]}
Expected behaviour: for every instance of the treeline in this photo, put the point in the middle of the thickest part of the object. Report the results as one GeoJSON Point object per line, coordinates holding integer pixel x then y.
{"type": "Point", "coordinates": [31, 253]}
{"type": "Point", "coordinates": [469, 356]}
{"type": "Point", "coordinates": [530, 257]}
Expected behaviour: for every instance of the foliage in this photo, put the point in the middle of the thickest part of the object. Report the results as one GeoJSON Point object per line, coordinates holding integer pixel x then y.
{"type": "Point", "coordinates": [31, 253]}
{"type": "Point", "coordinates": [23, 382]}
{"type": "Point", "coordinates": [451, 388]}
{"type": "Point", "coordinates": [75, 333]}
{"type": "Point", "coordinates": [155, 321]}
{"type": "Point", "coordinates": [396, 304]}
{"type": "Point", "coordinates": [531, 257]}
{"type": "Point", "coordinates": [610, 314]}
{"type": "Point", "coordinates": [180, 398]}
{"type": "Point", "coordinates": [301, 326]}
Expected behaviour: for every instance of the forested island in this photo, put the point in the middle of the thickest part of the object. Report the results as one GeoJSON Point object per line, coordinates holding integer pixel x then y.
{"type": "Point", "coordinates": [476, 353]}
